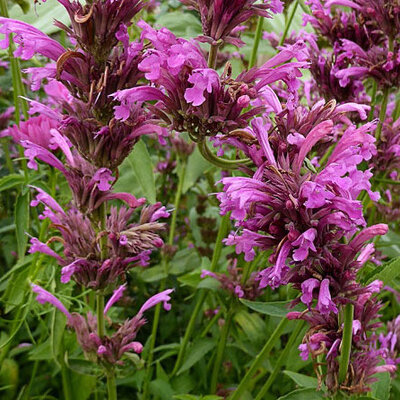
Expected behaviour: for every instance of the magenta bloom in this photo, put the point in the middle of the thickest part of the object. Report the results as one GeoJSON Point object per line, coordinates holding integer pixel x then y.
{"type": "Point", "coordinates": [108, 349]}
{"type": "Point", "coordinates": [43, 296]}
{"type": "Point", "coordinates": [190, 97]}
{"type": "Point", "coordinates": [30, 41]}
{"type": "Point", "coordinates": [220, 17]}
{"type": "Point", "coordinates": [129, 244]}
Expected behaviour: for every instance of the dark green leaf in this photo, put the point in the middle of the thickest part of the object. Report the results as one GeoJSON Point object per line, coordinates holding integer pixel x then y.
{"type": "Point", "coordinates": [81, 366]}
{"type": "Point", "coordinates": [161, 389]}
{"type": "Point", "coordinates": [10, 181]}
{"type": "Point", "coordinates": [82, 385]}
{"type": "Point", "coordinates": [197, 352]}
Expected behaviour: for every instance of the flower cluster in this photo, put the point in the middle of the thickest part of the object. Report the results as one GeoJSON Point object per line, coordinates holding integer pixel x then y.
{"type": "Point", "coordinates": [301, 203]}
{"type": "Point", "coordinates": [78, 134]}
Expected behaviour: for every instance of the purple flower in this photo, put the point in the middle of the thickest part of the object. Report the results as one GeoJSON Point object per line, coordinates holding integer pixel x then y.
{"type": "Point", "coordinates": [162, 297]}
{"type": "Point", "coordinates": [117, 295]}
{"type": "Point", "coordinates": [220, 17]}
{"type": "Point", "coordinates": [307, 288]}
{"type": "Point", "coordinates": [325, 304]}
{"type": "Point", "coordinates": [43, 296]}
{"type": "Point", "coordinates": [305, 242]}
{"type": "Point", "coordinates": [30, 41]}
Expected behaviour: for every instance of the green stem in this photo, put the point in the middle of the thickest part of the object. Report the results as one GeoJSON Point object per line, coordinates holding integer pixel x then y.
{"type": "Point", "coordinates": [221, 349]}
{"type": "Point", "coordinates": [178, 195]}
{"type": "Point", "coordinates": [212, 55]}
{"type": "Point", "coordinates": [346, 342]}
{"type": "Point", "coordinates": [218, 161]}
{"type": "Point", "coordinates": [261, 356]}
{"type": "Point", "coordinates": [6, 151]}
{"type": "Point", "coordinates": [210, 324]}
{"type": "Point", "coordinates": [373, 100]}
{"type": "Point", "coordinates": [18, 87]}
{"type": "Point", "coordinates": [66, 381]}
{"type": "Point", "coordinates": [157, 311]}
{"type": "Point", "coordinates": [382, 113]}
{"type": "Point", "coordinates": [203, 294]}
{"type": "Point", "coordinates": [111, 386]}
{"type": "Point", "coordinates": [289, 23]}
{"type": "Point", "coordinates": [281, 360]}
{"type": "Point", "coordinates": [100, 315]}
{"type": "Point", "coordinates": [256, 43]}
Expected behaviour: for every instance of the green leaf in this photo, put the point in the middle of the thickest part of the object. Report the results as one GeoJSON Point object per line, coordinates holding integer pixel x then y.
{"type": "Point", "coordinates": [58, 323]}
{"type": "Point", "coordinates": [185, 25]}
{"type": "Point", "coordinates": [41, 351]}
{"type": "Point", "coordinates": [22, 222]}
{"type": "Point", "coordinates": [252, 325]}
{"type": "Point", "coordinates": [138, 165]}
{"type": "Point", "coordinates": [196, 166]}
{"type": "Point", "coordinates": [197, 352]}
{"type": "Point", "coordinates": [47, 11]}
{"type": "Point", "coordinates": [10, 181]}
{"type": "Point", "coordinates": [81, 366]}
{"type": "Point", "coordinates": [161, 389]}
{"type": "Point", "coordinates": [302, 380]}
{"type": "Point", "coordinates": [153, 274]}
{"type": "Point", "coordinates": [381, 388]}
{"type": "Point", "coordinates": [193, 397]}
{"type": "Point", "coordinates": [274, 308]}
{"type": "Point", "coordinates": [386, 273]}
{"type": "Point", "coordinates": [16, 289]}
{"type": "Point", "coordinates": [303, 394]}
{"type": "Point", "coordinates": [82, 385]}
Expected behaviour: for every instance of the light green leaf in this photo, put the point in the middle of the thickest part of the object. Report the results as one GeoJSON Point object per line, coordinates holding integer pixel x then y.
{"type": "Point", "coordinates": [385, 273]}
{"type": "Point", "coordinates": [381, 388]}
{"type": "Point", "coordinates": [196, 167]}
{"type": "Point", "coordinates": [185, 25]}
{"type": "Point", "coordinates": [197, 352]}
{"type": "Point", "coordinates": [137, 175]}
{"type": "Point", "coordinates": [22, 222]}
{"type": "Point", "coordinates": [58, 323]}
{"type": "Point", "coordinates": [303, 394]}
{"type": "Point", "coordinates": [153, 274]}
{"type": "Point", "coordinates": [274, 309]}
{"type": "Point", "coordinates": [302, 380]}
{"type": "Point", "coordinates": [47, 11]}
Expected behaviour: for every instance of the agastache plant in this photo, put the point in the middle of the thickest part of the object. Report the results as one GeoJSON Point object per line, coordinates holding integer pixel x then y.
{"type": "Point", "coordinates": [306, 142]}
{"type": "Point", "coordinates": [79, 135]}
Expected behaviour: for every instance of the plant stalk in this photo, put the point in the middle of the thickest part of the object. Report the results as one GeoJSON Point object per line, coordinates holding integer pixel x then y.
{"type": "Point", "coordinates": [212, 55]}
{"type": "Point", "coordinates": [261, 356]}
{"type": "Point", "coordinates": [203, 294]}
{"type": "Point", "coordinates": [346, 342]}
{"type": "Point", "coordinates": [281, 360]}
{"type": "Point", "coordinates": [157, 311]}
{"type": "Point", "coordinates": [111, 386]}
{"type": "Point", "coordinates": [289, 23]}
{"type": "Point", "coordinates": [256, 42]}
{"type": "Point", "coordinates": [221, 349]}
{"type": "Point", "coordinates": [382, 113]}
